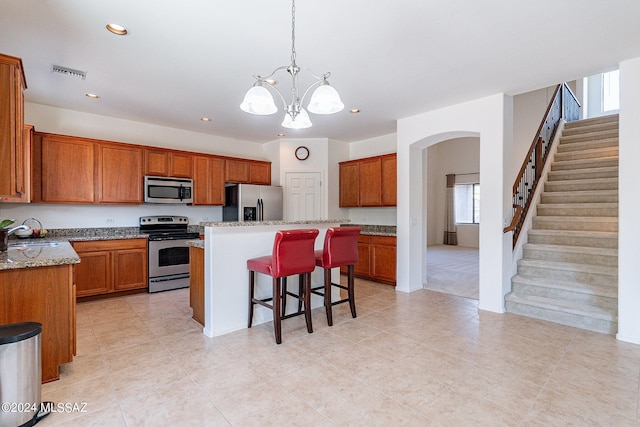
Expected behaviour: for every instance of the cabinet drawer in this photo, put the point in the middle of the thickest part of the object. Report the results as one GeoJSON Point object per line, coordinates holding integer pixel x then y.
{"type": "Point", "coordinates": [106, 245]}
{"type": "Point", "coordinates": [383, 240]}
{"type": "Point", "coordinates": [363, 238]}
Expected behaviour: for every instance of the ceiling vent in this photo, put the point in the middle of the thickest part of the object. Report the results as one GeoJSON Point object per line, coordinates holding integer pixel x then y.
{"type": "Point", "coordinates": [68, 71]}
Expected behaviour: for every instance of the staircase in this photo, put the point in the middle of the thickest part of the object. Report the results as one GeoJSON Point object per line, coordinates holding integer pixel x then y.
{"type": "Point", "coordinates": [569, 270]}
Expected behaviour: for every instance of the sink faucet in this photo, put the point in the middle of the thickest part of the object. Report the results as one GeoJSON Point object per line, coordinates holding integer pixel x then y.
{"type": "Point", "coordinates": [14, 229]}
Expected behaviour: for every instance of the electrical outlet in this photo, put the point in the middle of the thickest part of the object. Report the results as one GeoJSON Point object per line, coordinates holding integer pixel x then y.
{"type": "Point", "coordinates": [111, 221]}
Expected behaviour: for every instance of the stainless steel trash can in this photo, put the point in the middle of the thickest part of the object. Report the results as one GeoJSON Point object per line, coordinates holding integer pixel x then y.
{"type": "Point", "coordinates": [20, 373]}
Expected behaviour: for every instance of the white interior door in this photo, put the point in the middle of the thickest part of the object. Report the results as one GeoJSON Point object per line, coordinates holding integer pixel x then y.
{"type": "Point", "coordinates": [304, 198]}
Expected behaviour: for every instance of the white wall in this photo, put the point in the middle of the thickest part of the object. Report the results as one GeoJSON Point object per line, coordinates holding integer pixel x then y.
{"type": "Point", "coordinates": [456, 156]}
{"type": "Point", "coordinates": [338, 152]}
{"type": "Point", "coordinates": [490, 119]}
{"type": "Point", "coordinates": [629, 204]}
{"type": "Point", "coordinates": [528, 112]}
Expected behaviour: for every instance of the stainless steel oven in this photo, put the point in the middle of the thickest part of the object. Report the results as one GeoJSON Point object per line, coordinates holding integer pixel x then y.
{"type": "Point", "coordinates": [168, 251]}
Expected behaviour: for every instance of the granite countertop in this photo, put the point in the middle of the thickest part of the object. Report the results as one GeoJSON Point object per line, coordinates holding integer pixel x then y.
{"type": "Point", "coordinates": [56, 248]}
{"type": "Point", "coordinates": [260, 223]}
{"type": "Point", "coordinates": [196, 243]}
{"type": "Point", "coordinates": [37, 253]}
{"type": "Point", "coordinates": [376, 230]}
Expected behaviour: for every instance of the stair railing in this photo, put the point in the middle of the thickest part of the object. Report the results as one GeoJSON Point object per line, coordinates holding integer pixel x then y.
{"type": "Point", "coordinates": [563, 106]}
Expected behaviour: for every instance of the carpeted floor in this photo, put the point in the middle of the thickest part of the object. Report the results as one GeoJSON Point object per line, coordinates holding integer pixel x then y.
{"type": "Point", "coordinates": [453, 270]}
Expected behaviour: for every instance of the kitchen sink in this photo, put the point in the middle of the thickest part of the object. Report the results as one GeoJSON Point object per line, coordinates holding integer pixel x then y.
{"type": "Point", "coordinates": [28, 245]}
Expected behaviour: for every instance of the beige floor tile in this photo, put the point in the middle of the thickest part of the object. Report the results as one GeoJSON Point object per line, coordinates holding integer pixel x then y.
{"type": "Point", "coordinates": [419, 359]}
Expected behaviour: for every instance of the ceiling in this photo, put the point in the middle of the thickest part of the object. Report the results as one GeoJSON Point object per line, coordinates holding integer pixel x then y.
{"type": "Point", "coordinates": [183, 60]}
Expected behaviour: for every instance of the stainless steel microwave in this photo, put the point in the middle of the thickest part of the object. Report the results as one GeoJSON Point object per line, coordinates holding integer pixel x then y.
{"type": "Point", "coordinates": [158, 189]}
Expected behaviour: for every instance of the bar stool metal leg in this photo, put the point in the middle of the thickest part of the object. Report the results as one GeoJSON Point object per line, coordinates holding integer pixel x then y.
{"type": "Point", "coordinates": [277, 326]}
{"type": "Point", "coordinates": [327, 296]}
{"type": "Point", "coordinates": [252, 276]}
{"type": "Point", "coordinates": [351, 289]}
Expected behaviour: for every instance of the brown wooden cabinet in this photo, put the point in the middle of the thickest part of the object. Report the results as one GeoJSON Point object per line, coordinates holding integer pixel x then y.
{"type": "Point", "coordinates": [161, 162]}
{"type": "Point", "coordinates": [196, 283]}
{"type": "Point", "coordinates": [368, 182]}
{"type": "Point", "coordinates": [376, 259]}
{"type": "Point", "coordinates": [208, 180]}
{"type": "Point", "coordinates": [44, 295]}
{"type": "Point", "coordinates": [237, 170]}
{"type": "Point", "coordinates": [388, 165]}
{"type": "Point", "coordinates": [260, 173]}
{"type": "Point", "coordinates": [12, 85]}
{"type": "Point", "coordinates": [349, 185]}
{"type": "Point", "coordinates": [108, 266]}
{"type": "Point", "coordinates": [67, 169]}
{"type": "Point", "coordinates": [248, 171]}
{"type": "Point", "coordinates": [119, 174]}
{"type": "Point", "coordinates": [23, 169]}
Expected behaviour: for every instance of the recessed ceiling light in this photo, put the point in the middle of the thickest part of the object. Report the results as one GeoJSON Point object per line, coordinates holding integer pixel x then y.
{"type": "Point", "coordinates": [205, 119]}
{"type": "Point", "coordinates": [271, 82]}
{"type": "Point", "coordinates": [91, 95]}
{"type": "Point", "coordinates": [354, 110]}
{"type": "Point", "coordinates": [117, 29]}
{"type": "Point", "coordinates": [281, 134]}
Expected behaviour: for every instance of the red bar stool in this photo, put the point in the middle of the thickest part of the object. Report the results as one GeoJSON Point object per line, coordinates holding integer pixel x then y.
{"type": "Point", "coordinates": [340, 248]}
{"type": "Point", "coordinates": [293, 253]}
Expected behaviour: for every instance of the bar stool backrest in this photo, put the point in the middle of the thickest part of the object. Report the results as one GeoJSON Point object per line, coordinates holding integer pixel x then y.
{"type": "Point", "coordinates": [340, 246]}
{"type": "Point", "coordinates": [293, 252]}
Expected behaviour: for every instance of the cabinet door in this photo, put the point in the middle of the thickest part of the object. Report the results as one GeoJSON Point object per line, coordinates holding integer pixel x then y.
{"type": "Point", "coordinates": [362, 267]}
{"type": "Point", "coordinates": [237, 171]}
{"type": "Point", "coordinates": [119, 174]}
{"type": "Point", "coordinates": [93, 273]}
{"type": "Point", "coordinates": [68, 174]}
{"type": "Point", "coordinates": [208, 180]}
{"type": "Point", "coordinates": [260, 173]}
{"type": "Point", "coordinates": [23, 169]}
{"type": "Point", "coordinates": [349, 185]}
{"type": "Point", "coordinates": [196, 283]}
{"type": "Point", "coordinates": [130, 269]}
{"type": "Point", "coordinates": [389, 180]}
{"type": "Point", "coordinates": [383, 258]}
{"type": "Point", "coordinates": [156, 162]}
{"type": "Point", "coordinates": [181, 165]}
{"type": "Point", "coordinates": [11, 124]}
{"type": "Point", "coordinates": [370, 182]}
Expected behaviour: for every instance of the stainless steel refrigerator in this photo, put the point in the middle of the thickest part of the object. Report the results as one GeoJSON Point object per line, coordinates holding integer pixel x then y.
{"type": "Point", "coordinates": [247, 202]}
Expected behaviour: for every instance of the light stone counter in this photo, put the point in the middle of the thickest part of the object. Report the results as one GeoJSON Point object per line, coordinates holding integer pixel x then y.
{"type": "Point", "coordinates": [227, 247]}
{"type": "Point", "coordinates": [37, 253]}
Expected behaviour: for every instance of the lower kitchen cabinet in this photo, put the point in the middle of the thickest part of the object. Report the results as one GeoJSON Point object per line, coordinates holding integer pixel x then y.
{"type": "Point", "coordinates": [110, 266]}
{"type": "Point", "coordinates": [376, 259]}
{"type": "Point", "coordinates": [44, 295]}
{"type": "Point", "coordinates": [196, 283]}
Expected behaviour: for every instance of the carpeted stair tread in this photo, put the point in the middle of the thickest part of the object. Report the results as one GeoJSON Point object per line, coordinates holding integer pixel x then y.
{"type": "Point", "coordinates": [567, 285]}
{"type": "Point", "coordinates": [580, 196]}
{"type": "Point", "coordinates": [571, 223]}
{"type": "Point", "coordinates": [582, 184]}
{"type": "Point", "coordinates": [596, 135]}
{"type": "Point", "coordinates": [586, 154]}
{"type": "Point", "coordinates": [585, 173]}
{"type": "Point", "coordinates": [570, 266]}
{"type": "Point", "coordinates": [611, 118]}
{"type": "Point", "coordinates": [565, 306]}
{"type": "Point", "coordinates": [606, 161]}
{"type": "Point", "coordinates": [590, 144]}
{"type": "Point", "coordinates": [573, 249]}
{"type": "Point", "coordinates": [588, 128]}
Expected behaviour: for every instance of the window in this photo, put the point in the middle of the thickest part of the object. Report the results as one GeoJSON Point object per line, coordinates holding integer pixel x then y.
{"type": "Point", "coordinates": [611, 91]}
{"type": "Point", "coordinates": [467, 203]}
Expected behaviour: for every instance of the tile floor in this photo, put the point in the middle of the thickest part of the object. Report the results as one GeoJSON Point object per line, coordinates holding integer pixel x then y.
{"type": "Point", "coordinates": [419, 359]}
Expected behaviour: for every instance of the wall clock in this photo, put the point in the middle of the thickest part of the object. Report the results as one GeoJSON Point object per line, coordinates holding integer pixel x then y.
{"type": "Point", "coordinates": [302, 153]}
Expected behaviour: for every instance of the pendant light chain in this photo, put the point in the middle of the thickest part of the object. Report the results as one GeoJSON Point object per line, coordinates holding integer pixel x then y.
{"type": "Point", "coordinates": [293, 31]}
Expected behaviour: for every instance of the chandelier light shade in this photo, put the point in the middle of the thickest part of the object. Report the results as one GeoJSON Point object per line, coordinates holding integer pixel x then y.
{"type": "Point", "coordinates": [324, 99]}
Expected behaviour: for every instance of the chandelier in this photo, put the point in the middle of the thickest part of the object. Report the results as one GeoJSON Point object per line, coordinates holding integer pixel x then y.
{"type": "Point", "coordinates": [324, 99]}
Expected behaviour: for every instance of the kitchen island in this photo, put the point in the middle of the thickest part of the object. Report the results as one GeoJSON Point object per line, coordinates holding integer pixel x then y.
{"type": "Point", "coordinates": [227, 247]}
{"type": "Point", "coordinates": [36, 285]}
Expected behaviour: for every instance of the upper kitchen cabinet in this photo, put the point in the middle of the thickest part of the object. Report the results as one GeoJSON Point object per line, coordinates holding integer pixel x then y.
{"type": "Point", "coordinates": [248, 171]}
{"type": "Point", "coordinates": [389, 179]}
{"type": "Point", "coordinates": [208, 180]}
{"type": "Point", "coordinates": [368, 182]}
{"type": "Point", "coordinates": [161, 162]}
{"type": "Point", "coordinates": [349, 184]}
{"type": "Point", "coordinates": [119, 174]}
{"type": "Point", "coordinates": [12, 85]}
{"type": "Point", "coordinates": [23, 169]}
{"type": "Point", "coordinates": [66, 167]}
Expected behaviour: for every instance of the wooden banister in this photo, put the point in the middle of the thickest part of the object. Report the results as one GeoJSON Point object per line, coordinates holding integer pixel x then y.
{"type": "Point", "coordinates": [563, 106]}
